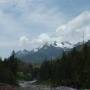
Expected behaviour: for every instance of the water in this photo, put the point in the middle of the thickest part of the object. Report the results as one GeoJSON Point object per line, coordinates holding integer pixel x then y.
{"type": "Point", "coordinates": [29, 85]}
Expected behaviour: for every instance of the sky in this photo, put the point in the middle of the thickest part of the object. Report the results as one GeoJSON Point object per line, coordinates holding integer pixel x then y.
{"type": "Point", "coordinates": [29, 24]}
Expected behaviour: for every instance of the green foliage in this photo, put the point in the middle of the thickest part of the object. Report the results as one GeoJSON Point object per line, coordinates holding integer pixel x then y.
{"type": "Point", "coordinates": [12, 70]}
{"type": "Point", "coordinates": [45, 70]}
{"type": "Point", "coordinates": [73, 69]}
{"type": "Point", "coordinates": [27, 71]}
{"type": "Point", "coordinates": [8, 70]}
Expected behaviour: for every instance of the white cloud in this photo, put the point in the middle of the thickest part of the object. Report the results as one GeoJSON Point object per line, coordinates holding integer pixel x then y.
{"type": "Point", "coordinates": [72, 31]}
{"type": "Point", "coordinates": [44, 37]}
{"type": "Point", "coordinates": [24, 41]}
{"type": "Point", "coordinates": [21, 17]}
{"type": "Point", "coordinates": [18, 17]}
{"type": "Point", "coordinates": [47, 17]}
{"type": "Point", "coordinates": [5, 1]}
{"type": "Point", "coordinates": [34, 43]}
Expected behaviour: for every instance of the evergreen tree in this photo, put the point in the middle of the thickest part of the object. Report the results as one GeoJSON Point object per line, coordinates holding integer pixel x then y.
{"type": "Point", "coordinates": [73, 69]}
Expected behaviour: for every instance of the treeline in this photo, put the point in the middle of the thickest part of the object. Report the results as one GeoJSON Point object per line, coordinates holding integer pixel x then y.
{"type": "Point", "coordinates": [27, 71]}
{"type": "Point", "coordinates": [8, 70]}
{"type": "Point", "coordinates": [73, 69]}
{"type": "Point", "coordinates": [13, 70]}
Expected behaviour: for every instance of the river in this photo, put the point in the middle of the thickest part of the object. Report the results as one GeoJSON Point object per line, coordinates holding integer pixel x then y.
{"type": "Point", "coordinates": [29, 85]}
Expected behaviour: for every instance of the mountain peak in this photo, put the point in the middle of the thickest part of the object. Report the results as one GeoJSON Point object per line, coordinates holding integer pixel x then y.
{"type": "Point", "coordinates": [48, 51]}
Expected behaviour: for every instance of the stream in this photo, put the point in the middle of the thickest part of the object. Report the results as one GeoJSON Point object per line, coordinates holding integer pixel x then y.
{"type": "Point", "coordinates": [29, 85]}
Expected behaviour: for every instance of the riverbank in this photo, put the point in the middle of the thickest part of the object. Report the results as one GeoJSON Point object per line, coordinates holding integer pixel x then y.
{"type": "Point", "coordinates": [40, 87]}
{"type": "Point", "coordinates": [32, 85]}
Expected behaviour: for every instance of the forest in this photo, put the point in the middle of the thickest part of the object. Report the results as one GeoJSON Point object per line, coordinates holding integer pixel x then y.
{"type": "Point", "coordinates": [13, 70]}
{"type": "Point", "coordinates": [72, 70]}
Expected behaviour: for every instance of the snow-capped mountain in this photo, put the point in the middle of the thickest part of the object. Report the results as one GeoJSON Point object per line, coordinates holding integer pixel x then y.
{"type": "Point", "coordinates": [47, 51]}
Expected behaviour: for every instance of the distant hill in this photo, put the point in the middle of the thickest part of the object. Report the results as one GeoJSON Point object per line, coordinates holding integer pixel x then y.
{"type": "Point", "coordinates": [48, 52]}
{"type": "Point", "coordinates": [72, 70]}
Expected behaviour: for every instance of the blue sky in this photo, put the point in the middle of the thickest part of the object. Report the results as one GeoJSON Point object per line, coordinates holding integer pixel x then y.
{"type": "Point", "coordinates": [28, 24]}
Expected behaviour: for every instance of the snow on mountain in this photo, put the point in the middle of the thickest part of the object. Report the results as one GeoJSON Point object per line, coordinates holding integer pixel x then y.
{"type": "Point", "coordinates": [48, 51]}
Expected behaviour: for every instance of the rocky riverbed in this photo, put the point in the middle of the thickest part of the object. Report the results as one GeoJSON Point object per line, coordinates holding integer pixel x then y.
{"type": "Point", "coordinates": [29, 85]}
{"type": "Point", "coordinates": [44, 88]}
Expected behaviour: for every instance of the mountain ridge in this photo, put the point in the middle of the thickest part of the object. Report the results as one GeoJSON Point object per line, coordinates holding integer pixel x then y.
{"type": "Point", "coordinates": [47, 51]}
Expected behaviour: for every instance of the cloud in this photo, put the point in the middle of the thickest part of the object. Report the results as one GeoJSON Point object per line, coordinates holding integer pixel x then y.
{"type": "Point", "coordinates": [35, 21]}
{"type": "Point", "coordinates": [32, 12]}
{"type": "Point", "coordinates": [5, 1]}
{"type": "Point", "coordinates": [72, 32]}
{"type": "Point", "coordinates": [21, 17]}
{"type": "Point", "coordinates": [77, 22]}
{"type": "Point", "coordinates": [24, 41]}
{"type": "Point", "coordinates": [36, 42]}
{"type": "Point", "coordinates": [24, 15]}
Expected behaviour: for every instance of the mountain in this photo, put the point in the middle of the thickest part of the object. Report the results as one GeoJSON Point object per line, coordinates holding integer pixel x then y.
{"type": "Point", "coordinates": [47, 51]}
{"type": "Point", "coordinates": [79, 46]}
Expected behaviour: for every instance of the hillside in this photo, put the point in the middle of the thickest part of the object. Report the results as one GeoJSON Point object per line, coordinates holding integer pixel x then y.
{"type": "Point", "coordinates": [72, 70]}
{"type": "Point", "coordinates": [48, 52]}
